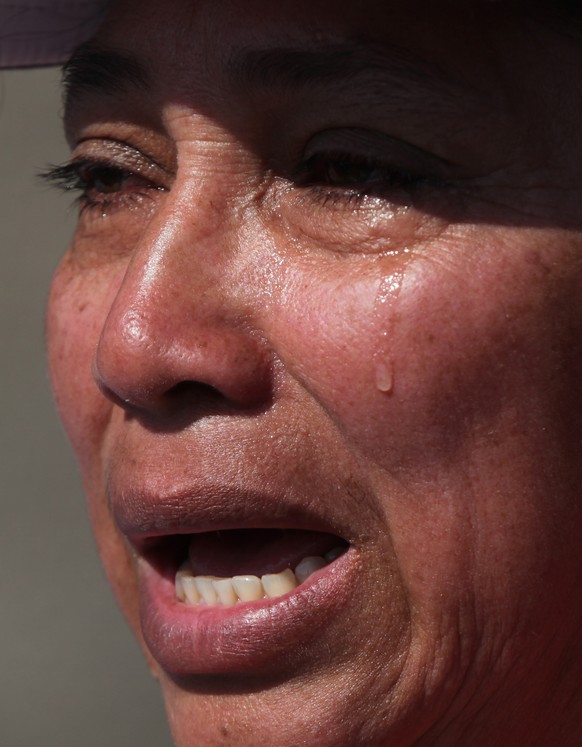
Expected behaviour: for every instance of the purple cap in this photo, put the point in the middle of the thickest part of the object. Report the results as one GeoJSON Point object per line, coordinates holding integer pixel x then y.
{"type": "Point", "coordinates": [44, 32]}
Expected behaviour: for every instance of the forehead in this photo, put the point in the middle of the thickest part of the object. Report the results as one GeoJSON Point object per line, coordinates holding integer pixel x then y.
{"type": "Point", "coordinates": [206, 35]}
{"type": "Point", "coordinates": [187, 42]}
{"type": "Point", "coordinates": [184, 47]}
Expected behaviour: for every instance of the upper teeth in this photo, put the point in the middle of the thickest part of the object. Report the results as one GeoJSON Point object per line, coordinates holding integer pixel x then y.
{"type": "Point", "coordinates": [212, 590]}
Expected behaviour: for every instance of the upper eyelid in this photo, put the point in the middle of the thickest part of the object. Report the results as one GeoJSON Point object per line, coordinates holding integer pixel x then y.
{"type": "Point", "coordinates": [125, 159]}
{"type": "Point", "coordinates": [122, 155]}
{"type": "Point", "coordinates": [376, 145]}
{"type": "Point", "coordinates": [409, 178]}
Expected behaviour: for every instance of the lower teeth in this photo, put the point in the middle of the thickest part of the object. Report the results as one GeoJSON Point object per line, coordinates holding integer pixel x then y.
{"type": "Point", "coordinates": [213, 591]}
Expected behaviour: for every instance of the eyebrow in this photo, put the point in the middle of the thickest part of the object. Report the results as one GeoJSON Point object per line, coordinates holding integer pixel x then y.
{"type": "Point", "coordinates": [93, 68]}
{"type": "Point", "coordinates": [338, 62]}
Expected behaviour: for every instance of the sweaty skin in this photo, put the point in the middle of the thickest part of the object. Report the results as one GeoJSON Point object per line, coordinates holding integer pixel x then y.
{"type": "Point", "coordinates": [328, 276]}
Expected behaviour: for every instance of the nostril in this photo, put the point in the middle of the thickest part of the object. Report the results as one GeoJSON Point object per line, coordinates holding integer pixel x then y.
{"type": "Point", "coordinates": [184, 389]}
{"type": "Point", "coordinates": [189, 397]}
{"type": "Point", "coordinates": [186, 395]}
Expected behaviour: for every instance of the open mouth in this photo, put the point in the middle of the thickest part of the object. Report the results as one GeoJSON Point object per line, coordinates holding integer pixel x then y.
{"type": "Point", "coordinates": [228, 567]}
{"type": "Point", "coordinates": [234, 599]}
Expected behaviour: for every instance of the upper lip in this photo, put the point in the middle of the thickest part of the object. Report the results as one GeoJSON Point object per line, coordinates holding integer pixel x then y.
{"type": "Point", "coordinates": [144, 515]}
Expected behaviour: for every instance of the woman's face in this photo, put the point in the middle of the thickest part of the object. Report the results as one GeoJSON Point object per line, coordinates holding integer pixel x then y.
{"type": "Point", "coordinates": [327, 284]}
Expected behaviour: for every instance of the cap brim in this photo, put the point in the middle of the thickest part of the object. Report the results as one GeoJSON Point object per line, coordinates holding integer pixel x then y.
{"type": "Point", "coordinates": [45, 32]}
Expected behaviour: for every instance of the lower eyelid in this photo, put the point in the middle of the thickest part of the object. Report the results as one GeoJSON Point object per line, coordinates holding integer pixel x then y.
{"type": "Point", "coordinates": [336, 197]}
{"type": "Point", "coordinates": [120, 185]}
{"type": "Point", "coordinates": [109, 204]}
{"type": "Point", "coordinates": [354, 200]}
{"type": "Point", "coordinates": [350, 222]}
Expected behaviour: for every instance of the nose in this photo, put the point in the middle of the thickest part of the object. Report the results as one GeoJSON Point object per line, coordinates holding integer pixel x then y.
{"type": "Point", "coordinates": [178, 329]}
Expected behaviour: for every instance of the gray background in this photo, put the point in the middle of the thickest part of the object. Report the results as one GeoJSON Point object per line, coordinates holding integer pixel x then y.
{"type": "Point", "coordinates": [70, 672]}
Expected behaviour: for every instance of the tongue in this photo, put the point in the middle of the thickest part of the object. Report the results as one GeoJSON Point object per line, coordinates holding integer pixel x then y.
{"type": "Point", "coordinates": [255, 552]}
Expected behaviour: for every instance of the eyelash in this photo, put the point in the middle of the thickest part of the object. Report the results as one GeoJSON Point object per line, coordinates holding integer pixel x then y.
{"type": "Point", "coordinates": [81, 175]}
{"type": "Point", "coordinates": [384, 181]}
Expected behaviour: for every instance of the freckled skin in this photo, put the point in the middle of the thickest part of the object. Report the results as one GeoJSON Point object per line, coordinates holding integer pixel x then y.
{"type": "Point", "coordinates": [233, 307]}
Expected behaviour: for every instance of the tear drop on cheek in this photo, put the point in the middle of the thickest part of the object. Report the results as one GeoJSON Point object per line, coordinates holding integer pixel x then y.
{"type": "Point", "coordinates": [386, 315]}
{"type": "Point", "coordinates": [384, 375]}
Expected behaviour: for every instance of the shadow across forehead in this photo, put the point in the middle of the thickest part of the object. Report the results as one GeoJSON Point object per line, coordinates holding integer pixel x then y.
{"type": "Point", "coordinates": [98, 68]}
{"type": "Point", "coordinates": [93, 66]}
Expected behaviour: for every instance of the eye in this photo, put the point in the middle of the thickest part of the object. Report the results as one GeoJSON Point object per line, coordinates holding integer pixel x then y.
{"type": "Point", "coordinates": [103, 179]}
{"type": "Point", "coordinates": [362, 191]}
{"type": "Point", "coordinates": [101, 185]}
{"type": "Point", "coordinates": [355, 173]}
{"type": "Point", "coordinates": [353, 163]}
{"type": "Point", "coordinates": [339, 169]}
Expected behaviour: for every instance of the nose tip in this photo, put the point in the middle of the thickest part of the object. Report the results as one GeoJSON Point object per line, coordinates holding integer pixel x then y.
{"type": "Point", "coordinates": [157, 360]}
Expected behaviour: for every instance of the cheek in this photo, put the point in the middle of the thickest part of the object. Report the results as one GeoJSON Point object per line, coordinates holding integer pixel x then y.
{"type": "Point", "coordinates": [464, 448]}
{"type": "Point", "coordinates": [337, 343]}
{"type": "Point", "coordinates": [333, 330]}
{"type": "Point", "coordinates": [77, 307]}
{"type": "Point", "coordinates": [361, 353]}
{"type": "Point", "coordinates": [412, 362]}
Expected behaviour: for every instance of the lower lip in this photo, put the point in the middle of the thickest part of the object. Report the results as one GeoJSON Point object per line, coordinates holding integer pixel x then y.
{"type": "Point", "coordinates": [251, 636]}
